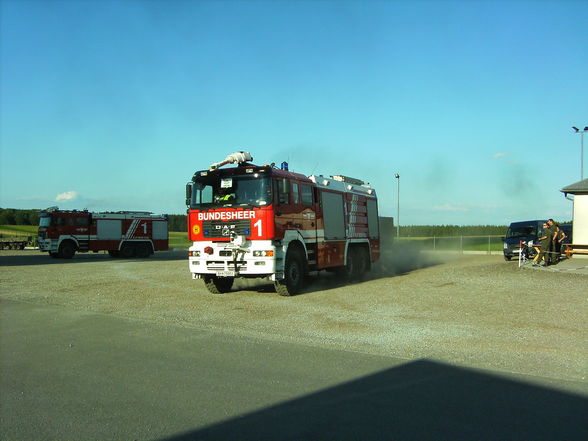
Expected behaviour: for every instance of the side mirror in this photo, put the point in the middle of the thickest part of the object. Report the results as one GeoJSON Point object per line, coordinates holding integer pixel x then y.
{"type": "Point", "coordinates": [189, 193]}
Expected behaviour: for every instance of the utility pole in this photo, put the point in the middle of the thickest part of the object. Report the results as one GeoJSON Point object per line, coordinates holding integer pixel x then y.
{"type": "Point", "coordinates": [397, 176]}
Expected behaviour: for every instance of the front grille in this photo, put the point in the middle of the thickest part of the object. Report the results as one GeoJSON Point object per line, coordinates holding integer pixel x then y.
{"type": "Point", "coordinates": [219, 265]}
{"type": "Point", "coordinates": [213, 229]}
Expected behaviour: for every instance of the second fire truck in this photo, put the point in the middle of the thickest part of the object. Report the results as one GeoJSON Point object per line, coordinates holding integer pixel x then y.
{"type": "Point", "coordinates": [62, 233]}
{"type": "Point", "coordinates": [263, 221]}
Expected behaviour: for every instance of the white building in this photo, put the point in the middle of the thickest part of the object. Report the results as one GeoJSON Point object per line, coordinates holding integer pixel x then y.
{"type": "Point", "coordinates": [580, 217]}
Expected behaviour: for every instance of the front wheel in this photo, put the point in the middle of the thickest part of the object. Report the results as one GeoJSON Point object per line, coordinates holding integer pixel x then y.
{"type": "Point", "coordinates": [67, 250]}
{"type": "Point", "coordinates": [218, 285]}
{"type": "Point", "coordinates": [127, 251]}
{"type": "Point", "coordinates": [293, 280]}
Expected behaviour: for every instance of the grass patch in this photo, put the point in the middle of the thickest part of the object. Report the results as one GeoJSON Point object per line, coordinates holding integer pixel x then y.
{"type": "Point", "coordinates": [179, 240]}
{"type": "Point", "coordinates": [18, 230]}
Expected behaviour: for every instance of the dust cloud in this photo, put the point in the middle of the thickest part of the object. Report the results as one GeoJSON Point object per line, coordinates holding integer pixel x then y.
{"type": "Point", "coordinates": [395, 260]}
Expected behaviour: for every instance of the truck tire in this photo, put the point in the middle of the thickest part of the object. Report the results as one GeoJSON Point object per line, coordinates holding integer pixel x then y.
{"type": "Point", "coordinates": [294, 272]}
{"type": "Point", "coordinates": [54, 255]}
{"type": "Point", "coordinates": [362, 262]}
{"type": "Point", "coordinates": [67, 249]}
{"type": "Point", "coordinates": [113, 253]}
{"type": "Point", "coordinates": [143, 250]}
{"type": "Point", "coordinates": [351, 270]}
{"type": "Point", "coordinates": [218, 285]}
{"type": "Point", "coordinates": [127, 250]}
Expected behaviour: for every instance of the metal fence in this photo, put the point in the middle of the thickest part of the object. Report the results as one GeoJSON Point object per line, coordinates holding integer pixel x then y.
{"type": "Point", "coordinates": [462, 244]}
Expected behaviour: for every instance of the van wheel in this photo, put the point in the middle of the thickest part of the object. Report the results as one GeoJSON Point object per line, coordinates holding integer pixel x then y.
{"type": "Point", "coordinates": [67, 250]}
{"type": "Point", "coordinates": [507, 257]}
{"type": "Point", "coordinates": [294, 272]}
{"type": "Point", "coordinates": [218, 285]}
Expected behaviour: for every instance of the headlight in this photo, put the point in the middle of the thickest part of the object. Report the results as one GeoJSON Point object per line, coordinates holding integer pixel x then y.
{"type": "Point", "coordinates": [263, 253]}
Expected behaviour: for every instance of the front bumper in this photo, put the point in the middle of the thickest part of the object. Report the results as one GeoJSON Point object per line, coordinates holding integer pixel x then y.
{"type": "Point", "coordinates": [47, 245]}
{"type": "Point", "coordinates": [227, 260]}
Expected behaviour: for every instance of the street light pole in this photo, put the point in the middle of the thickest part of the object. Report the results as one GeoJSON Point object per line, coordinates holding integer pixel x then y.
{"type": "Point", "coordinates": [581, 132]}
{"type": "Point", "coordinates": [397, 176]}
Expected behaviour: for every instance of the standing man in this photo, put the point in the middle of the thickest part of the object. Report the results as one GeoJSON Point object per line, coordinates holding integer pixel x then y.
{"type": "Point", "coordinates": [553, 256]}
{"type": "Point", "coordinates": [559, 237]}
{"type": "Point", "coordinates": [546, 239]}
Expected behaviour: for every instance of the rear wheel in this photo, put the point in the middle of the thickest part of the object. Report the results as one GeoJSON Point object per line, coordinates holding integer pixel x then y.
{"type": "Point", "coordinates": [218, 285]}
{"type": "Point", "coordinates": [362, 262]}
{"type": "Point", "coordinates": [143, 250]}
{"type": "Point", "coordinates": [53, 254]}
{"type": "Point", "coordinates": [294, 273]}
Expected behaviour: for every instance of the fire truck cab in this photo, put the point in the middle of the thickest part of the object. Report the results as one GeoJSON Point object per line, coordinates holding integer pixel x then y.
{"type": "Point", "coordinates": [127, 234]}
{"type": "Point", "coordinates": [263, 221]}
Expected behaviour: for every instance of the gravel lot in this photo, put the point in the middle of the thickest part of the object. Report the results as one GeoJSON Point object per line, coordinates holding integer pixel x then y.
{"type": "Point", "coordinates": [475, 311]}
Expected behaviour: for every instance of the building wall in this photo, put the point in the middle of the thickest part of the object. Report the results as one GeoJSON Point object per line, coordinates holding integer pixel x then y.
{"type": "Point", "coordinates": [580, 231]}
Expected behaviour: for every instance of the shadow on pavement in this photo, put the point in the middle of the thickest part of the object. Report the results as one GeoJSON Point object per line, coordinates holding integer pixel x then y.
{"type": "Point", "coordinates": [422, 400]}
{"type": "Point", "coordinates": [25, 258]}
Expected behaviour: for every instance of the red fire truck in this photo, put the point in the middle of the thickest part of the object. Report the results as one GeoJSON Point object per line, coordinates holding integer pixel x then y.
{"type": "Point", "coordinates": [261, 221]}
{"type": "Point", "coordinates": [124, 233]}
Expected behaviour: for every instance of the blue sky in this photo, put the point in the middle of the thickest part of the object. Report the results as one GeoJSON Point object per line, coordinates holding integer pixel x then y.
{"type": "Point", "coordinates": [112, 105]}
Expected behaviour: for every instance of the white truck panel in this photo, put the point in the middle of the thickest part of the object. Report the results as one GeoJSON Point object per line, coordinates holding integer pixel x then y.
{"type": "Point", "coordinates": [108, 229]}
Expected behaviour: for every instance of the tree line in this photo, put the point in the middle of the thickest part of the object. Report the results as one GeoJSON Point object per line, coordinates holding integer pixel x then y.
{"type": "Point", "coordinates": [178, 223]}
{"type": "Point", "coordinates": [12, 216]}
{"type": "Point", "coordinates": [452, 230]}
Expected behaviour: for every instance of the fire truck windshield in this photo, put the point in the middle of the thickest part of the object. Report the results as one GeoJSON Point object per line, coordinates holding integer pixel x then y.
{"type": "Point", "coordinates": [44, 221]}
{"type": "Point", "coordinates": [251, 190]}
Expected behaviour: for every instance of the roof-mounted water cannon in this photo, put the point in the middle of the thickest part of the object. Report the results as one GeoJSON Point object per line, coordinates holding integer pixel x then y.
{"type": "Point", "coordinates": [234, 158]}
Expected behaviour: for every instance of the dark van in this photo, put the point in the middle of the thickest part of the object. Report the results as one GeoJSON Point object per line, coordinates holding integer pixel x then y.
{"type": "Point", "coordinates": [521, 231]}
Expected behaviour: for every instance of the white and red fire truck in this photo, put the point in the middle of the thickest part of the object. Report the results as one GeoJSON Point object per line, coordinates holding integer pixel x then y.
{"type": "Point", "coordinates": [261, 221]}
{"type": "Point", "coordinates": [124, 233]}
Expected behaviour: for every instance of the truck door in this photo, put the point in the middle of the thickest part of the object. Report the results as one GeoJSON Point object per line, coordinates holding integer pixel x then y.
{"type": "Point", "coordinates": [331, 244]}
{"type": "Point", "coordinates": [296, 211]}
{"type": "Point", "coordinates": [82, 228]}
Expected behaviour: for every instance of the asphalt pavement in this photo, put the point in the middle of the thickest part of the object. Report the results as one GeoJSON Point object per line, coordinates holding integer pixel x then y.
{"type": "Point", "coordinates": [74, 374]}
{"type": "Point", "coordinates": [575, 265]}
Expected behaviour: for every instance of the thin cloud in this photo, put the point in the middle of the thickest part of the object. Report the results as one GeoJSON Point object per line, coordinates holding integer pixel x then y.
{"type": "Point", "coordinates": [500, 155]}
{"type": "Point", "coordinates": [67, 196]}
{"type": "Point", "coordinates": [451, 207]}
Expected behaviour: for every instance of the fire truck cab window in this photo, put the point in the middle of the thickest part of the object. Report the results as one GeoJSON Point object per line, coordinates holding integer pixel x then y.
{"type": "Point", "coordinates": [306, 191]}
{"type": "Point", "coordinates": [82, 221]}
{"type": "Point", "coordinates": [213, 191]}
{"type": "Point", "coordinates": [295, 194]}
{"type": "Point", "coordinates": [283, 191]}
{"type": "Point", "coordinates": [59, 221]}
